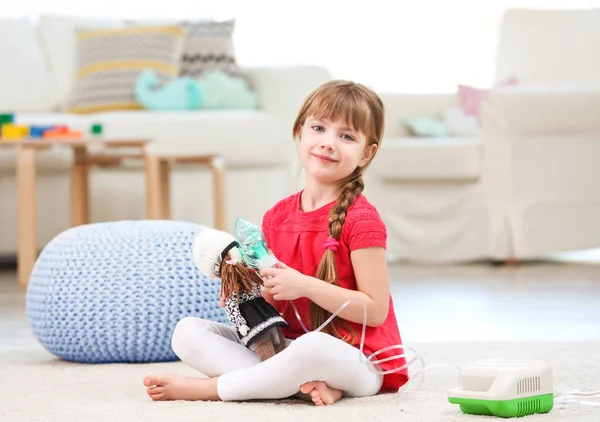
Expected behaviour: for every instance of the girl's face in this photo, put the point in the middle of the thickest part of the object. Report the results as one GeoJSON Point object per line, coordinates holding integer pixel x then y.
{"type": "Point", "coordinates": [331, 151]}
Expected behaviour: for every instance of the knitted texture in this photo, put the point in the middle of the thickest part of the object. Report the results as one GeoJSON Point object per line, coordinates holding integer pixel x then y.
{"type": "Point", "coordinates": [113, 292]}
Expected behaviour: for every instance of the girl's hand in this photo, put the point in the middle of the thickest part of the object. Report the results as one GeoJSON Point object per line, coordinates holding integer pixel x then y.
{"type": "Point", "coordinates": [285, 283]}
{"type": "Point", "coordinates": [221, 301]}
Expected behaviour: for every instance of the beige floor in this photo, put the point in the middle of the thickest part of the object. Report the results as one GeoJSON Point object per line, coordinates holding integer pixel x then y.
{"type": "Point", "coordinates": [480, 306]}
{"type": "Point", "coordinates": [550, 301]}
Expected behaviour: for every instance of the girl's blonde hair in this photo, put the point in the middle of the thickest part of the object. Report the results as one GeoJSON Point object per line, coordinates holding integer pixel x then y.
{"type": "Point", "coordinates": [361, 109]}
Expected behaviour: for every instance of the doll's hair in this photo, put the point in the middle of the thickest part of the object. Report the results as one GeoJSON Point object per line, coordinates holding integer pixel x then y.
{"type": "Point", "coordinates": [237, 277]}
{"type": "Point", "coordinates": [362, 109]}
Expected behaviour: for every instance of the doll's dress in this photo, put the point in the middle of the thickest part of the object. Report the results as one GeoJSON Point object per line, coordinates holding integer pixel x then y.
{"type": "Point", "coordinates": [252, 316]}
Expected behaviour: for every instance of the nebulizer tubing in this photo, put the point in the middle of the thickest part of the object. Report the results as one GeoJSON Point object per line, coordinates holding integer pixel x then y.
{"type": "Point", "coordinates": [573, 397]}
{"type": "Point", "coordinates": [559, 397]}
{"type": "Point", "coordinates": [374, 363]}
{"type": "Point", "coordinates": [564, 397]}
{"type": "Point", "coordinates": [582, 393]}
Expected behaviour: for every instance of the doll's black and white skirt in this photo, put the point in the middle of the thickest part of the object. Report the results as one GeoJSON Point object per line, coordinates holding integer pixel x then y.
{"type": "Point", "coordinates": [254, 317]}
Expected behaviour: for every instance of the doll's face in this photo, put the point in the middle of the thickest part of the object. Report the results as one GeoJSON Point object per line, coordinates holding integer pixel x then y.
{"type": "Point", "coordinates": [235, 255]}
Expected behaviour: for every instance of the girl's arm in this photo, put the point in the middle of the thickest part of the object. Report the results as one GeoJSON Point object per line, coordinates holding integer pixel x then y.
{"type": "Point", "coordinates": [370, 270]}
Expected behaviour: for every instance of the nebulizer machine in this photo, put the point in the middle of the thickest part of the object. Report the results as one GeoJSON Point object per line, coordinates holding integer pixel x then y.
{"type": "Point", "coordinates": [505, 388]}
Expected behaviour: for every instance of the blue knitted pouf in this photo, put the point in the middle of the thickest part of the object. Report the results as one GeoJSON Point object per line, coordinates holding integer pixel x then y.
{"type": "Point", "coordinates": [113, 292]}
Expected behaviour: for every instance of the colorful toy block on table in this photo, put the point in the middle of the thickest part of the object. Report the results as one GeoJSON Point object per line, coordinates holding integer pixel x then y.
{"type": "Point", "coordinates": [38, 131]}
{"type": "Point", "coordinates": [6, 118]}
{"type": "Point", "coordinates": [62, 132]}
{"type": "Point", "coordinates": [12, 132]}
{"type": "Point", "coordinates": [96, 129]}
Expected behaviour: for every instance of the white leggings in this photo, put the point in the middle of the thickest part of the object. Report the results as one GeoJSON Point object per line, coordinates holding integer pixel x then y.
{"type": "Point", "coordinates": [215, 350]}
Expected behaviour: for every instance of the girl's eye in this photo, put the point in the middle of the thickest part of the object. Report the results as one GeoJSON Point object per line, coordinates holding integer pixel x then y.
{"type": "Point", "coordinates": [348, 137]}
{"type": "Point", "coordinates": [318, 128]}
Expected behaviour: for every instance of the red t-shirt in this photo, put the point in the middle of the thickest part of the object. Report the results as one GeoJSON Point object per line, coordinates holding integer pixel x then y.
{"type": "Point", "coordinates": [297, 238]}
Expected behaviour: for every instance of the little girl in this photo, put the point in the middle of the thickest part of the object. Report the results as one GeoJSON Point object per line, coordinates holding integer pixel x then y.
{"type": "Point", "coordinates": [330, 242]}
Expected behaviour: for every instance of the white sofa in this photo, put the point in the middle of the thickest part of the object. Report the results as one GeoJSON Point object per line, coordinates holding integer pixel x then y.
{"type": "Point", "coordinates": [524, 189]}
{"type": "Point", "coordinates": [256, 144]}
{"type": "Point", "coordinates": [527, 188]}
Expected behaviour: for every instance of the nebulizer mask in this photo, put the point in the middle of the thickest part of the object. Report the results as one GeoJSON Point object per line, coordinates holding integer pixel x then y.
{"type": "Point", "coordinates": [491, 386]}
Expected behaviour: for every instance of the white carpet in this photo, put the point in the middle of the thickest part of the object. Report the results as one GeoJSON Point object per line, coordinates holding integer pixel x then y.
{"type": "Point", "coordinates": [38, 387]}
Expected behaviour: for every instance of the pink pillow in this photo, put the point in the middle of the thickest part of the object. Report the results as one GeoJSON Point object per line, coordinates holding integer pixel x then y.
{"type": "Point", "coordinates": [470, 97]}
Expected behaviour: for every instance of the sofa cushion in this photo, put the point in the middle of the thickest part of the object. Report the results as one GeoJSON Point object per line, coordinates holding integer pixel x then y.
{"type": "Point", "coordinates": [58, 37]}
{"type": "Point", "coordinates": [25, 77]}
{"type": "Point", "coordinates": [208, 46]}
{"type": "Point", "coordinates": [110, 60]}
{"type": "Point", "coordinates": [429, 159]}
{"type": "Point", "coordinates": [241, 137]}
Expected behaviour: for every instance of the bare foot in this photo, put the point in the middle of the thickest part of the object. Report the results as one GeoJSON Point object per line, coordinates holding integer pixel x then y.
{"type": "Point", "coordinates": [176, 387]}
{"type": "Point", "coordinates": [321, 393]}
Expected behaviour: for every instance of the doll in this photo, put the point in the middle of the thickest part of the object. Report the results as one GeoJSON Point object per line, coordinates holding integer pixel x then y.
{"type": "Point", "coordinates": [258, 324]}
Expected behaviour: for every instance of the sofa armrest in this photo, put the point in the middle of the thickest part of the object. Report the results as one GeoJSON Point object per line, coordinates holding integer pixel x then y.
{"type": "Point", "coordinates": [542, 110]}
{"type": "Point", "coordinates": [283, 89]}
{"type": "Point", "coordinates": [544, 143]}
{"type": "Point", "coordinates": [400, 106]}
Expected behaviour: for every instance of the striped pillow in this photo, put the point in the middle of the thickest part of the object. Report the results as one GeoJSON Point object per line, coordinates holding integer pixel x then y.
{"type": "Point", "coordinates": [110, 60]}
{"type": "Point", "coordinates": [208, 46]}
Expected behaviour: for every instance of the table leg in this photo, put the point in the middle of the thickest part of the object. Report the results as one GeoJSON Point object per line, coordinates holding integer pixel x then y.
{"type": "Point", "coordinates": [217, 167]}
{"type": "Point", "coordinates": [27, 219]}
{"type": "Point", "coordinates": [80, 198]}
{"type": "Point", "coordinates": [151, 181]}
{"type": "Point", "coordinates": [164, 197]}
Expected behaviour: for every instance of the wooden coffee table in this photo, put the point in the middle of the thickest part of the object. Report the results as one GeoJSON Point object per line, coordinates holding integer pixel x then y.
{"type": "Point", "coordinates": [112, 153]}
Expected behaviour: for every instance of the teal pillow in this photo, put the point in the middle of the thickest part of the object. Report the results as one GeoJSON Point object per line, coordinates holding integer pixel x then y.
{"type": "Point", "coordinates": [174, 94]}
{"type": "Point", "coordinates": [425, 126]}
{"type": "Point", "coordinates": [221, 90]}
{"type": "Point", "coordinates": [215, 89]}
